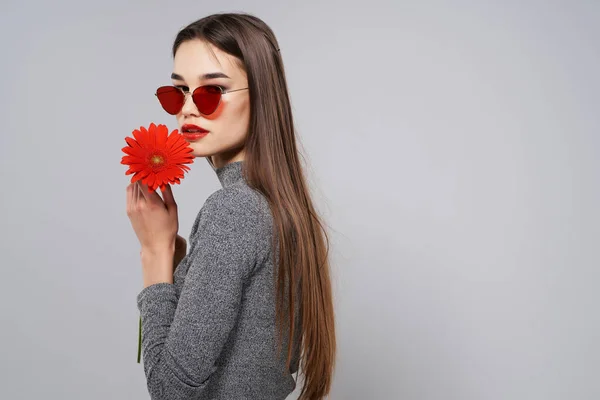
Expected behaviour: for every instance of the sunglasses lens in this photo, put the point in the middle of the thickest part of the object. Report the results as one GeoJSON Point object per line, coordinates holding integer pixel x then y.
{"type": "Point", "coordinates": [207, 99]}
{"type": "Point", "coordinates": [170, 98]}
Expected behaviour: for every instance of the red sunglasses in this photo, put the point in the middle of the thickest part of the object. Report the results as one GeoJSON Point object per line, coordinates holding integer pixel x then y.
{"type": "Point", "coordinates": [206, 98]}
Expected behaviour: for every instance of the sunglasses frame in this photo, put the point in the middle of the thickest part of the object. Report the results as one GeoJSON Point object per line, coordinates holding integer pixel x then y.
{"type": "Point", "coordinates": [223, 91]}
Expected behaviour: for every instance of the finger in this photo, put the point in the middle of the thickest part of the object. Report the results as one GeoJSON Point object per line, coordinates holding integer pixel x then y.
{"type": "Point", "coordinates": [138, 196]}
{"type": "Point", "coordinates": [130, 193]}
{"type": "Point", "coordinates": [139, 192]}
{"type": "Point", "coordinates": [168, 196]}
{"type": "Point", "coordinates": [147, 194]}
{"type": "Point", "coordinates": [135, 194]}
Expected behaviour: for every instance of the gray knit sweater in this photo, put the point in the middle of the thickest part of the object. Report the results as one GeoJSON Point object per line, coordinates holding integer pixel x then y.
{"type": "Point", "coordinates": [211, 334]}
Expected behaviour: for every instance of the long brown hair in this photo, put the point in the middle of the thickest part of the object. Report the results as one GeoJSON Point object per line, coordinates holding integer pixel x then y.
{"type": "Point", "coordinates": [304, 301]}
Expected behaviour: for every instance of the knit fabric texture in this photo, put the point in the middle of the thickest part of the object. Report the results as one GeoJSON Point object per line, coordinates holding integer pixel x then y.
{"type": "Point", "coordinates": [212, 334]}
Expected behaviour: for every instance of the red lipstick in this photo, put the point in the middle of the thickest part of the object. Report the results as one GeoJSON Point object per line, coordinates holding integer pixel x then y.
{"type": "Point", "coordinates": [192, 132]}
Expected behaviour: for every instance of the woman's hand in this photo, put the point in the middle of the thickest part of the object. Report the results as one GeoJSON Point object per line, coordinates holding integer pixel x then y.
{"type": "Point", "coordinates": [155, 223]}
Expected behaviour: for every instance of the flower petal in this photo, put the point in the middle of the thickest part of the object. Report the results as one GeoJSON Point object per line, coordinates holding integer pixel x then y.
{"type": "Point", "coordinates": [133, 151]}
{"type": "Point", "coordinates": [161, 137]}
{"type": "Point", "coordinates": [140, 176]}
{"type": "Point", "coordinates": [132, 142]}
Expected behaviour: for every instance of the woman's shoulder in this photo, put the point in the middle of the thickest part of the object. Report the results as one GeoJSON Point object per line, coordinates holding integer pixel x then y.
{"type": "Point", "coordinates": [238, 204]}
{"type": "Point", "coordinates": [235, 218]}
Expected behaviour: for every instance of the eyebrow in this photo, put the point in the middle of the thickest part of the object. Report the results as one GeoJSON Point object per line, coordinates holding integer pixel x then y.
{"type": "Point", "coordinates": [211, 75]}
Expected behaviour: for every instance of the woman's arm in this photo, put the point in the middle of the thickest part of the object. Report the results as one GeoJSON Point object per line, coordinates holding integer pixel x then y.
{"type": "Point", "coordinates": [182, 339]}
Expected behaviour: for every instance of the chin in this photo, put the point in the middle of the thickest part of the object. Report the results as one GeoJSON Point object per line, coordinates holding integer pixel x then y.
{"type": "Point", "coordinates": [197, 150]}
{"type": "Point", "coordinates": [200, 154]}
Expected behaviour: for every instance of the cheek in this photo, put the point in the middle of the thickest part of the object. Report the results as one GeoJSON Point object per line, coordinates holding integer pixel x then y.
{"type": "Point", "coordinates": [179, 118]}
{"type": "Point", "coordinates": [238, 116]}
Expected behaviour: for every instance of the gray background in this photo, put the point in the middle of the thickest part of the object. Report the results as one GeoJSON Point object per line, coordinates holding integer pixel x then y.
{"type": "Point", "coordinates": [453, 148]}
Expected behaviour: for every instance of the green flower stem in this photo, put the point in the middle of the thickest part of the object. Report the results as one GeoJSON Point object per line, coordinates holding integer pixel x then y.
{"type": "Point", "coordinates": [140, 341]}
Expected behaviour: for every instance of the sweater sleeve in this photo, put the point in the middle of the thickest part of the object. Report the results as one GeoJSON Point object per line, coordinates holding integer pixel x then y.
{"type": "Point", "coordinates": [182, 338]}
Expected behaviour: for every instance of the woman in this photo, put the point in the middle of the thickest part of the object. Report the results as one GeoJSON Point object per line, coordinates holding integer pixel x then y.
{"type": "Point", "coordinates": [220, 325]}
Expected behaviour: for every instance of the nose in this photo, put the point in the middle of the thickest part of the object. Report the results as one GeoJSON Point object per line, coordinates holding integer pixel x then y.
{"type": "Point", "coordinates": [189, 108]}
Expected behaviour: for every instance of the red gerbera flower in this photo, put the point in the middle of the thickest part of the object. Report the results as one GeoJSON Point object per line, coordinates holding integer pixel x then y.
{"type": "Point", "coordinates": [156, 157]}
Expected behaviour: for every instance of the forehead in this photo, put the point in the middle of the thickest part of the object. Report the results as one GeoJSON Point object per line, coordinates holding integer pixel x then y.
{"type": "Point", "coordinates": [195, 58]}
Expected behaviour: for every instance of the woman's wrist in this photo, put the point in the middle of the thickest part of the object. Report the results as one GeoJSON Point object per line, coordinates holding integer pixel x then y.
{"type": "Point", "coordinates": [157, 266]}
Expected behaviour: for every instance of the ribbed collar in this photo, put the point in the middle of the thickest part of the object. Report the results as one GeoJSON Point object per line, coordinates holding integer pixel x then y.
{"type": "Point", "coordinates": [230, 173]}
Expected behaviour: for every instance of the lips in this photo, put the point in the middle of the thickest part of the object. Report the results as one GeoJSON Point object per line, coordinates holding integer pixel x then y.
{"type": "Point", "coordinates": [193, 129]}
{"type": "Point", "coordinates": [193, 132]}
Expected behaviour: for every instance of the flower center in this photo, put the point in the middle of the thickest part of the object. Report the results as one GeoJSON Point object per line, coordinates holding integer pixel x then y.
{"type": "Point", "coordinates": [157, 161]}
